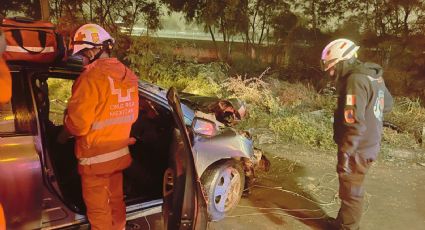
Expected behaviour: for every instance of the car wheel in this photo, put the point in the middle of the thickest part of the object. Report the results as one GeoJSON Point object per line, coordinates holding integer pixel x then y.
{"type": "Point", "coordinates": [224, 184]}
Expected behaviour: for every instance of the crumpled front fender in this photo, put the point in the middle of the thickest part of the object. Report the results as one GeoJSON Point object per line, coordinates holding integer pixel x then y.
{"type": "Point", "coordinates": [227, 145]}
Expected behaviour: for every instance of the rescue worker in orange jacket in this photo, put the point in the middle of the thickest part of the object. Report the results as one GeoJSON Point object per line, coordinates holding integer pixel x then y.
{"type": "Point", "coordinates": [100, 113]}
{"type": "Point", "coordinates": [5, 78]}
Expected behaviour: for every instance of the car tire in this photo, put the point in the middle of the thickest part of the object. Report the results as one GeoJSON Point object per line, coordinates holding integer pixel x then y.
{"type": "Point", "coordinates": [223, 184]}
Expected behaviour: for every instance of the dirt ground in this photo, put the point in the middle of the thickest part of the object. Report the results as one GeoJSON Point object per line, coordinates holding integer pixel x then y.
{"type": "Point", "coordinates": [300, 191]}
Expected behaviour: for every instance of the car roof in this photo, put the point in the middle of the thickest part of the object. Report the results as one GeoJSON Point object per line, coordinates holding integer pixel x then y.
{"type": "Point", "coordinates": [73, 68]}
{"type": "Point", "coordinates": [70, 69]}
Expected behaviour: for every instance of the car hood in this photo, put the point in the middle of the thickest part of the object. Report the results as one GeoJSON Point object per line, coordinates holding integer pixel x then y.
{"type": "Point", "coordinates": [227, 111]}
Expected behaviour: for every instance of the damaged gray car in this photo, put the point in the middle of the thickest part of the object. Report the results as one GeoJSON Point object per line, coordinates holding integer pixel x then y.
{"type": "Point", "coordinates": [225, 158]}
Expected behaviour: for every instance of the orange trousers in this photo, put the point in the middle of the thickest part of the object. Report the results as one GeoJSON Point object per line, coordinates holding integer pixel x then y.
{"type": "Point", "coordinates": [103, 195]}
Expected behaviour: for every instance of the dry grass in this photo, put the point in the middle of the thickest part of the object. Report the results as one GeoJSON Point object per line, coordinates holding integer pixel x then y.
{"type": "Point", "coordinates": [409, 115]}
{"type": "Point", "coordinates": [293, 95]}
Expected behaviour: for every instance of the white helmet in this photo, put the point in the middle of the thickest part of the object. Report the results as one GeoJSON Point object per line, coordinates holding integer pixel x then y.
{"type": "Point", "coordinates": [336, 51]}
{"type": "Point", "coordinates": [89, 36]}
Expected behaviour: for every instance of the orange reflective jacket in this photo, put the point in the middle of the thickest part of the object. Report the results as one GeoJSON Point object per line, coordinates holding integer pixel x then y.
{"type": "Point", "coordinates": [103, 106]}
{"type": "Point", "coordinates": [5, 82]}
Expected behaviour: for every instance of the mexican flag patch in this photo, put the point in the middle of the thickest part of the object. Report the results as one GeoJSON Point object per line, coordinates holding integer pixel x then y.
{"type": "Point", "coordinates": [351, 99]}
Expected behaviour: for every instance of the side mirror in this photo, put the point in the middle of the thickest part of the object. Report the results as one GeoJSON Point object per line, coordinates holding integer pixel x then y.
{"type": "Point", "coordinates": [204, 127]}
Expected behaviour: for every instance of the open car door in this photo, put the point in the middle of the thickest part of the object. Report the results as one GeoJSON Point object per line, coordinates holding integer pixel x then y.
{"type": "Point", "coordinates": [184, 204]}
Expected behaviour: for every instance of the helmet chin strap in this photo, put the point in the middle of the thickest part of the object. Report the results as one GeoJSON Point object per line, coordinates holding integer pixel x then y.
{"type": "Point", "coordinates": [95, 57]}
{"type": "Point", "coordinates": [106, 45]}
{"type": "Point", "coordinates": [342, 67]}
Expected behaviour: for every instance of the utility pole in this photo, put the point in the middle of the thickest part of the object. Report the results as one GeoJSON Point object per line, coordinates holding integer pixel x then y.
{"type": "Point", "coordinates": [44, 6]}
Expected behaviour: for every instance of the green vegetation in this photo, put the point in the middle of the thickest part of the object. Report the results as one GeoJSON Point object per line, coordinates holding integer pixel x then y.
{"type": "Point", "coordinates": [409, 116]}
{"type": "Point", "coordinates": [298, 114]}
{"type": "Point", "coordinates": [294, 112]}
{"type": "Point", "coordinates": [152, 62]}
{"type": "Point", "coordinates": [289, 110]}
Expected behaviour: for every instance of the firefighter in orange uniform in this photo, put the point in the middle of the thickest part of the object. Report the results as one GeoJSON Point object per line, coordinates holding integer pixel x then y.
{"type": "Point", "coordinates": [5, 78]}
{"type": "Point", "coordinates": [100, 113]}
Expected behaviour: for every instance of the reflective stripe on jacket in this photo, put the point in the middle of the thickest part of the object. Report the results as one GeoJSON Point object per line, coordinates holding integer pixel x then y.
{"type": "Point", "coordinates": [104, 157]}
{"type": "Point", "coordinates": [101, 111]}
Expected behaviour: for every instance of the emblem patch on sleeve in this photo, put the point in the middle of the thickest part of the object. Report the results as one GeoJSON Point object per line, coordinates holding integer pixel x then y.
{"type": "Point", "coordinates": [349, 116]}
{"type": "Point", "coordinates": [378, 108]}
{"type": "Point", "coordinates": [351, 99]}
